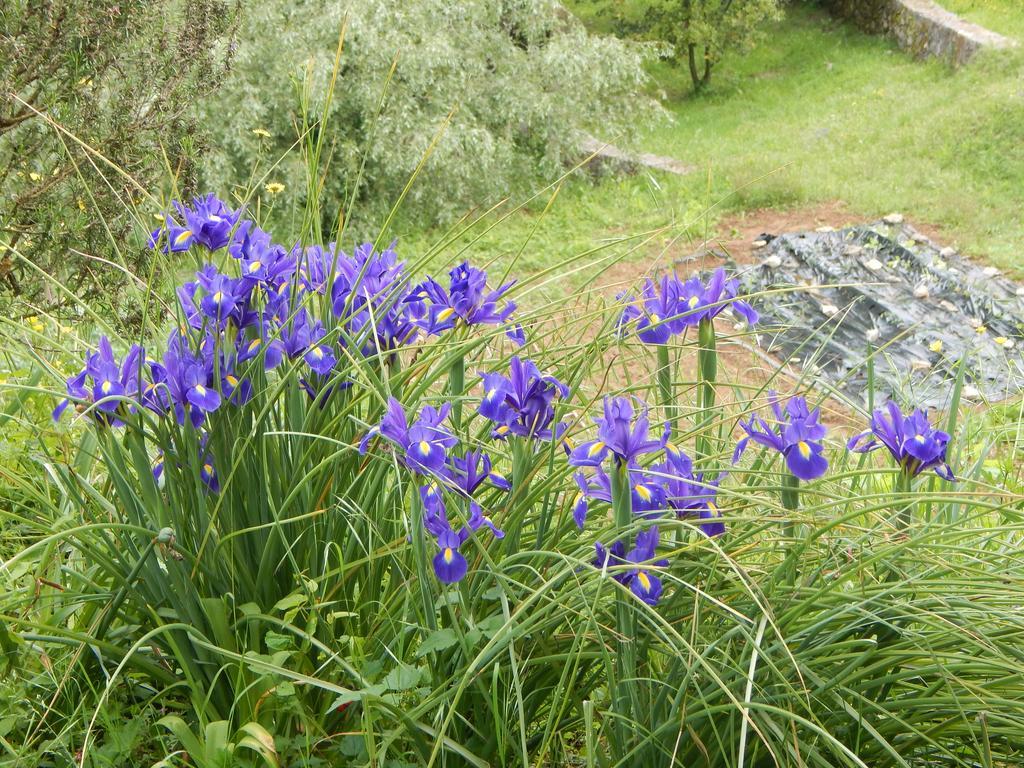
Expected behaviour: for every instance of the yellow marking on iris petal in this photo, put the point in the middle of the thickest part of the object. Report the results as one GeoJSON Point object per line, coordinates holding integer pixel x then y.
{"type": "Point", "coordinates": [671, 448]}
{"type": "Point", "coordinates": [642, 491]}
{"type": "Point", "coordinates": [712, 507]}
{"type": "Point", "coordinates": [491, 394]}
{"type": "Point", "coordinates": [645, 581]}
{"type": "Point", "coordinates": [804, 448]}
{"type": "Point", "coordinates": [181, 238]}
{"type": "Point", "coordinates": [105, 387]}
{"type": "Point", "coordinates": [208, 469]}
{"type": "Point", "coordinates": [231, 380]}
{"type": "Point", "coordinates": [255, 265]}
{"type": "Point", "coordinates": [316, 352]}
{"type": "Point", "coordinates": [595, 449]}
{"type": "Point", "coordinates": [424, 447]}
{"type": "Point", "coordinates": [448, 555]}
{"type": "Point", "coordinates": [218, 297]}
{"type": "Point", "coordinates": [693, 302]}
{"type": "Point", "coordinates": [444, 314]}
{"type": "Point", "coordinates": [254, 344]}
{"type": "Point", "coordinates": [503, 429]}
{"type": "Point", "coordinates": [920, 438]}
{"type": "Point", "coordinates": [200, 389]}
{"type": "Point", "coordinates": [655, 319]}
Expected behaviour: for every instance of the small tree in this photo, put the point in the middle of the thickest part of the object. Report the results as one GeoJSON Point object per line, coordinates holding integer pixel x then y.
{"type": "Point", "coordinates": [702, 31]}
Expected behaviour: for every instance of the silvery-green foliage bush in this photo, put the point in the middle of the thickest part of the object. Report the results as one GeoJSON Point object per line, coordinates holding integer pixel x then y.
{"type": "Point", "coordinates": [523, 77]}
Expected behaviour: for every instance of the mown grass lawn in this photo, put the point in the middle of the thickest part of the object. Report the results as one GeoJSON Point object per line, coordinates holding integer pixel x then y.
{"type": "Point", "coordinates": [1003, 16]}
{"type": "Point", "coordinates": [818, 112]}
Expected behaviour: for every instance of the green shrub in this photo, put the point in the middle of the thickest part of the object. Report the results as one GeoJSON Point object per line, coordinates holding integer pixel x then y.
{"type": "Point", "coordinates": [96, 112]}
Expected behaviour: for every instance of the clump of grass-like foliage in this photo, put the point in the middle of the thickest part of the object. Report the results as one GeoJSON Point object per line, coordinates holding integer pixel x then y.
{"type": "Point", "coordinates": [340, 512]}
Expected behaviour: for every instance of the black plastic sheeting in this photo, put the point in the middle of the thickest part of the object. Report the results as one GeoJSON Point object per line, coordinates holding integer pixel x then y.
{"type": "Point", "coordinates": [828, 298]}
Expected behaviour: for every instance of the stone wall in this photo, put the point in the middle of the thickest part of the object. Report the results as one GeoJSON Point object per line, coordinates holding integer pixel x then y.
{"type": "Point", "coordinates": [921, 27]}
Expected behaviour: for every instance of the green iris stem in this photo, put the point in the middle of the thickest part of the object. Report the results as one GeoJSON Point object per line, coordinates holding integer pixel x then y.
{"type": "Point", "coordinates": [421, 559]}
{"type": "Point", "coordinates": [664, 376]}
{"type": "Point", "coordinates": [522, 461]}
{"type": "Point", "coordinates": [904, 501]}
{"type": "Point", "coordinates": [394, 368]}
{"type": "Point", "coordinates": [456, 386]}
{"type": "Point", "coordinates": [626, 695]}
{"type": "Point", "coordinates": [790, 495]}
{"type": "Point", "coordinates": [707, 372]}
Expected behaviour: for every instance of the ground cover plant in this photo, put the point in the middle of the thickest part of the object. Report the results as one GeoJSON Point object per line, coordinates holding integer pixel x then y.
{"type": "Point", "coordinates": [336, 509]}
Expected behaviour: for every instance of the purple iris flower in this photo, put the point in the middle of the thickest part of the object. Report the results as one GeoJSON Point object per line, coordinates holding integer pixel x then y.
{"type": "Point", "coordinates": [263, 343]}
{"type": "Point", "coordinates": [706, 302]}
{"type": "Point", "coordinates": [689, 494]}
{"type": "Point", "coordinates": [384, 331]}
{"type": "Point", "coordinates": [179, 238]}
{"type": "Point", "coordinates": [314, 265]}
{"type": "Point", "coordinates": [522, 403]}
{"type": "Point", "coordinates": [646, 489]}
{"type": "Point", "coordinates": [235, 390]}
{"type": "Point", "coordinates": [184, 382]}
{"type": "Point", "coordinates": [466, 299]}
{"type": "Point", "coordinates": [659, 313]}
{"type": "Point", "coordinates": [911, 440]}
{"type": "Point", "coordinates": [449, 563]}
{"type": "Point", "coordinates": [261, 261]}
{"type": "Point", "coordinates": [641, 579]}
{"type": "Point", "coordinates": [224, 298]}
{"type": "Point", "coordinates": [367, 277]}
{"type": "Point", "coordinates": [595, 488]}
{"type": "Point", "coordinates": [207, 472]}
{"type": "Point", "coordinates": [105, 382]}
{"type": "Point", "coordinates": [668, 307]}
{"type": "Point", "coordinates": [208, 222]}
{"type": "Point", "coordinates": [467, 474]}
{"type": "Point", "coordinates": [303, 338]}
{"type": "Point", "coordinates": [619, 435]}
{"type": "Point", "coordinates": [424, 444]}
{"type": "Point", "coordinates": [370, 298]}
{"type": "Point", "coordinates": [796, 433]}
